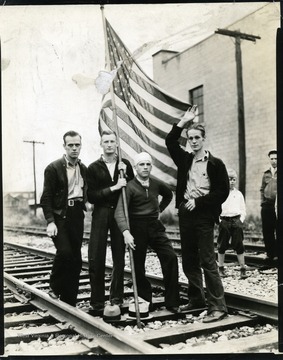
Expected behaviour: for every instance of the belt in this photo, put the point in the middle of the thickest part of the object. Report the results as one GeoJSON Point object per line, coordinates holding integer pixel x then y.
{"type": "Point", "coordinates": [229, 217]}
{"type": "Point", "coordinates": [76, 201]}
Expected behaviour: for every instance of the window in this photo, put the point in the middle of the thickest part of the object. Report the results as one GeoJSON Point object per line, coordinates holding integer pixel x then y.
{"type": "Point", "coordinates": [196, 98]}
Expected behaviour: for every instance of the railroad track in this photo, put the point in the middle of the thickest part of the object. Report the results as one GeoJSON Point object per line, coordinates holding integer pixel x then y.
{"type": "Point", "coordinates": [254, 248]}
{"type": "Point", "coordinates": [32, 317]}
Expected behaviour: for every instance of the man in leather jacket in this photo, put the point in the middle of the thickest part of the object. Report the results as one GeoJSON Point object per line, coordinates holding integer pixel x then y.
{"type": "Point", "coordinates": [63, 203]}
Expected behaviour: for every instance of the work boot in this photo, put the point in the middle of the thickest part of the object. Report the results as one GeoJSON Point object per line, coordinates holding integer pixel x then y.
{"type": "Point", "coordinates": [193, 304]}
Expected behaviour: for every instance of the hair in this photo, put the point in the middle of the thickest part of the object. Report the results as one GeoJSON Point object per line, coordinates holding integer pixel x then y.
{"type": "Point", "coordinates": [231, 172]}
{"type": "Point", "coordinates": [272, 152]}
{"type": "Point", "coordinates": [108, 132]}
{"type": "Point", "coordinates": [72, 134]}
{"type": "Point", "coordinates": [196, 126]}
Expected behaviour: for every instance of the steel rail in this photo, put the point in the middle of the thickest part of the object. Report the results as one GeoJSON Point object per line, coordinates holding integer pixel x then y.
{"type": "Point", "coordinates": [264, 308]}
{"type": "Point", "coordinates": [107, 337]}
{"type": "Point", "coordinates": [173, 236]}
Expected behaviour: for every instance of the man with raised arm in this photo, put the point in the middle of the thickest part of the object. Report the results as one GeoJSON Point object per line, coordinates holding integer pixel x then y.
{"type": "Point", "coordinates": [202, 186]}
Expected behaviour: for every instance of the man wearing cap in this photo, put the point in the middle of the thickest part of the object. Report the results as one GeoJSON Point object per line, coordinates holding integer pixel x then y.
{"type": "Point", "coordinates": [268, 192]}
{"type": "Point", "coordinates": [146, 230]}
{"type": "Point", "coordinates": [104, 188]}
{"type": "Point", "coordinates": [63, 202]}
{"type": "Point", "coordinates": [202, 186]}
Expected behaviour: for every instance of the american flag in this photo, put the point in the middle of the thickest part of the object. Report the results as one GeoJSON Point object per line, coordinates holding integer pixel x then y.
{"type": "Point", "coordinates": [145, 113]}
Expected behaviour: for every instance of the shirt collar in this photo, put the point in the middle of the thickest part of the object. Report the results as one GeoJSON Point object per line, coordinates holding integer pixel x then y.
{"type": "Point", "coordinates": [144, 183]}
{"type": "Point", "coordinates": [273, 170]}
{"type": "Point", "coordinates": [106, 161]}
{"type": "Point", "coordinates": [204, 158]}
{"type": "Point", "coordinates": [69, 164]}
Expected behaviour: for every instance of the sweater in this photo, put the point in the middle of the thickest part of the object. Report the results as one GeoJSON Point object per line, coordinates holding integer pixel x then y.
{"type": "Point", "coordinates": [142, 202]}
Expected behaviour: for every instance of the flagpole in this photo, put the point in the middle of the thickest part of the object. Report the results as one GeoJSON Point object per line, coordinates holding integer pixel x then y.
{"type": "Point", "coordinates": [121, 172]}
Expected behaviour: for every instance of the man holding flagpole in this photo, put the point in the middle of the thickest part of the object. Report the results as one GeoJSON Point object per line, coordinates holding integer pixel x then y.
{"type": "Point", "coordinates": [104, 188]}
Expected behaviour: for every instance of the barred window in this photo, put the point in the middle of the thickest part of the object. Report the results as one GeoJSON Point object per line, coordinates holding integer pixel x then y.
{"type": "Point", "coordinates": [196, 98]}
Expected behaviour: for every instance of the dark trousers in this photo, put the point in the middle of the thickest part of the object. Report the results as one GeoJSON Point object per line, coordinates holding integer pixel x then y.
{"type": "Point", "coordinates": [148, 232]}
{"type": "Point", "coordinates": [269, 223]}
{"type": "Point", "coordinates": [197, 242]}
{"type": "Point", "coordinates": [67, 264]}
{"type": "Point", "coordinates": [102, 221]}
{"type": "Point", "coordinates": [231, 228]}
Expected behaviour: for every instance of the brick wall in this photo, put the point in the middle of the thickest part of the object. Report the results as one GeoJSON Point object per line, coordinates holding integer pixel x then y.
{"type": "Point", "coordinates": [211, 63]}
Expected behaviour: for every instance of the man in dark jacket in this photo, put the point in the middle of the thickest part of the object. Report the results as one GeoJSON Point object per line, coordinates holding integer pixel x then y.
{"type": "Point", "coordinates": [104, 188]}
{"type": "Point", "coordinates": [63, 203]}
{"type": "Point", "coordinates": [268, 193]}
{"type": "Point", "coordinates": [202, 186]}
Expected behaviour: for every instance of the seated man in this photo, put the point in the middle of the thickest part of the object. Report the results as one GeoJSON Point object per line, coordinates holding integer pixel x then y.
{"type": "Point", "coordinates": [146, 229]}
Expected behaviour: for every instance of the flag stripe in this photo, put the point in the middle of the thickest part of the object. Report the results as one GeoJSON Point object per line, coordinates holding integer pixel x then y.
{"type": "Point", "coordinates": [145, 113]}
{"type": "Point", "coordinates": [146, 121]}
{"type": "Point", "coordinates": [137, 72]}
{"type": "Point", "coordinates": [129, 136]}
{"type": "Point", "coordinates": [128, 147]}
{"type": "Point", "coordinates": [160, 95]}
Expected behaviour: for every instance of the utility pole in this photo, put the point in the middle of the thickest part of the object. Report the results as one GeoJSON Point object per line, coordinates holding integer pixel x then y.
{"type": "Point", "coordinates": [33, 142]}
{"type": "Point", "coordinates": [241, 113]}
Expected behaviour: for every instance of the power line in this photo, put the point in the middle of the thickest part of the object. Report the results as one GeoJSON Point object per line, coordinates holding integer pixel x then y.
{"type": "Point", "coordinates": [240, 92]}
{"type": "Point", "coordinates": [33, 142]}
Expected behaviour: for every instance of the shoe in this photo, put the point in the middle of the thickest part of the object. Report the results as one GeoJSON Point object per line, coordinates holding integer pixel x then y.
{"type": "Point", "coordinates": [53, 295]}
{"type": "Point", "coordinates": [95, 312]}
{"type": "Point", "coordinates": [222, 272]}
{"type": "Point", "coordinates": [267, 264]}
{"type": "Point", "coordinates": [174, 309]}
{"type": "Point", "coordinates": [243, 274]}
{"type": "Point", "coordinates": [214, 316]}
{"type": "Point", "coordinates": [192, 305]}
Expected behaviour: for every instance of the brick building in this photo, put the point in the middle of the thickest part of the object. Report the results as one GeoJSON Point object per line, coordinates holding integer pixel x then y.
{"type": "Point", "coordinates": [205, 74]}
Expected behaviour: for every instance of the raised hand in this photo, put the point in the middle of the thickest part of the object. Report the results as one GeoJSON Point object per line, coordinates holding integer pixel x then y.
{"type": "Point", "coordinates": [190, 113]}
{"type": "Point", "coordinates": [188, 117]}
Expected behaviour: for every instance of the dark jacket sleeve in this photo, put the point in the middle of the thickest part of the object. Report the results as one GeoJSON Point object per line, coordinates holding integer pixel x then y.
{"type": "Point", "coordinates": [119, 214]}
{"type": "Point", "coordinates": [262, 187]}
{"type": "Point", "coordinates": [98, 187]}
{"type": "Point", "coordinates": [51, 191]}
{"type": "Point", "coordinates": [167, 196]}
{"type": "Point", "coordinates": [99, 183]}
{"type": "Point", "coordinates": [176, 152]}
